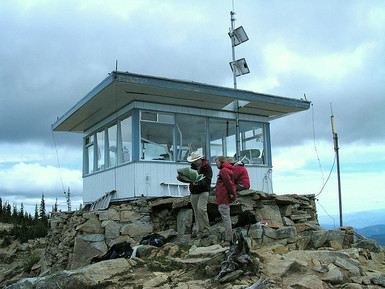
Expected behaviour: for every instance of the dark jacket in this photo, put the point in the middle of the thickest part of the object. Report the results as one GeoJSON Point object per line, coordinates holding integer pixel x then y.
{"type": "Point", "coordinates": [225, 187]}
{"type": "Point", "coordinates": [241, 176]}
{"type": "Point", "coordinates": [205, 184]}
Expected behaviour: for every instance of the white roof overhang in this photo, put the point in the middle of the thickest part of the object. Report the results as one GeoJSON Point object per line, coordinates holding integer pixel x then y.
{"type": "Point", "coordinates": [121, 88]}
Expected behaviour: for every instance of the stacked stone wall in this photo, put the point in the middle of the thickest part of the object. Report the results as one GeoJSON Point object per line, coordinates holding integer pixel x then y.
{"type": "Point", "coordinates": [76, 237]}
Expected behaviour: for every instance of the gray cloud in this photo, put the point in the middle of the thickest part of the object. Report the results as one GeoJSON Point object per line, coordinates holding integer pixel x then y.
{"type": "Point", "coordinates": [55, 52]}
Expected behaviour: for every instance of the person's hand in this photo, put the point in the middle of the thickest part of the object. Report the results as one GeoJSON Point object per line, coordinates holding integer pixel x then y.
{"type": "Point", "coordinates": [232, 197]}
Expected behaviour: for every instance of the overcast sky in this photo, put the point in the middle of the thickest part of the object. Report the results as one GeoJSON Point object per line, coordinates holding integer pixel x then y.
{"type": "Point", "coordinates": [54, 52]}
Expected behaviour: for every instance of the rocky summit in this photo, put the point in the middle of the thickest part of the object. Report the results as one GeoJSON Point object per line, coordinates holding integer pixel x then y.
{"type": "Point", "coordinates": [146, 243]}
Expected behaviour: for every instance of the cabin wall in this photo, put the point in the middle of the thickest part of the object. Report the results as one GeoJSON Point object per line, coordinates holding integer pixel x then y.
{"type": "Point", "coordinates": [145, 178]}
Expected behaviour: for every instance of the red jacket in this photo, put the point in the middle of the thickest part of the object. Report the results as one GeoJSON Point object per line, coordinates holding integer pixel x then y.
{"type": "Point", "coordinates": [225, 186]}
{"type": "Point", "coordinates": [241, 176]}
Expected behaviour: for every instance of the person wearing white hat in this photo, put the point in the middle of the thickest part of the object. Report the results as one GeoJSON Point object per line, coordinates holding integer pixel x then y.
{"type": "Point", "coordinates": [200, 194]}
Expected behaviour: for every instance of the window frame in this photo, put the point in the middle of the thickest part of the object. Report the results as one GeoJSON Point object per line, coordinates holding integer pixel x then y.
{"type": "Point", "coordinates": [135, 116]}
{"type": "Point", "coordinates": [157, 122]}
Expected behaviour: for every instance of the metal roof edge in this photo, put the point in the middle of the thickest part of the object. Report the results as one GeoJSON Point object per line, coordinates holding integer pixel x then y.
{"type": "Point", "coordinates": [208, 88]}
{"type": "Point", "coordinates": [182, 85]}
{"type": "Point", "coordinates": [103, 84]}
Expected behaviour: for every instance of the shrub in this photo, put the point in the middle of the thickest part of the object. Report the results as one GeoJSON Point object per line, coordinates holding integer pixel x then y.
{"type": "Point", "coordinates": [29, 262]}
{"type": "Point", "coordinates": [6, 241]}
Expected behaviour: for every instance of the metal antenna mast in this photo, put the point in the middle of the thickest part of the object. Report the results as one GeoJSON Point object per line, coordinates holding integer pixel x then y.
{"type": "Point", "coordinates": [239, 67]}
{"type": "Point", "coordinates": [232, 13]}
{"type": "Point", "coordinates": [335, 138]}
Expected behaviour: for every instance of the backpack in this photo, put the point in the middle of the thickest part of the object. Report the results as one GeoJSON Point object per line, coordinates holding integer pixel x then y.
{"type": "Point", "coordinates": [154, 240]}
{"type": "Point", "coordinates": [245, 218]}
{"type": "Point", "coordinates": [118, 250]}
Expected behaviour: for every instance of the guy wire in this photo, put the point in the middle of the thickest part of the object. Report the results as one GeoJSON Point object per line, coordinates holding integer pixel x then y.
{"type": "Point", "coordinates": [319, 163]}
{"type": "Point", "coordinates": [334, 221]}
{"type": "Point", "coordinates": [315, 146]}
{"type": "Point", "coordinates": [331, 169]}
{"type": "Point", "coordinates": [58, 161]}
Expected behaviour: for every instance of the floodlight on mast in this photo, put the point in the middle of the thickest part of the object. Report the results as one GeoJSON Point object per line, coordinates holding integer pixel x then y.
{"type": "Point", "coordinates": [237, 36]}
{"type": "Point", "coordinates": [240, 67]}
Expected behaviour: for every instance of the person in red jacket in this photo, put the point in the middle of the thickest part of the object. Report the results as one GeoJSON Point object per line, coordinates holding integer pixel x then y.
{"type": "Point", "coordinates": [241, 176]}
{"type": "Point", "coordinates": [225, 195]}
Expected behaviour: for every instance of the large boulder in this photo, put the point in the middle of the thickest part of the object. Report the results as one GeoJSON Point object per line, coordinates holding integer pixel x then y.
{"type": "Point", "coordinates": [184, 221]}
{"type": "Point", "coordinates": [87, 277]}
{"type": "Point", "coordinates": [84, 251]}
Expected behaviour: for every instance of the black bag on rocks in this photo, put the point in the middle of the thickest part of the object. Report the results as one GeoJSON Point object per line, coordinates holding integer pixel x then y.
{"type": "Point", "coordinates": [118, 250]}
{"type": "Point", "coordinates": [154, 240]}
{"type": "Point", "coordinates": [245, 218]}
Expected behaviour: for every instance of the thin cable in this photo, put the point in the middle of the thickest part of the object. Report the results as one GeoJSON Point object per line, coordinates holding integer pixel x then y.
{"type": "Point", "coordinates": [315, 146]}
{"type": "Point", "coordinates": [58, 161]}
{"type": "Point", "coordinates": [334, 221]}
{"type": "Point", "coordinates": [327, 178]}
{"type": "Point", "coordinates": [266, 179]}
{"type": "Point", "coordinates": [319, 163]}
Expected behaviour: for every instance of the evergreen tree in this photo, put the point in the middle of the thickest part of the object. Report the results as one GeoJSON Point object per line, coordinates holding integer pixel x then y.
{"type": "Point", "coordinates": [1, 208]}
{"type": "Point", "coordinates": [21, 214]}
{"type": "Point", "coordinates": [36, 213]}
{"type": "Point", "coordinates": [28, 217]}
{"type": "Point", "coordinates": [25, 228]}
{"type": "Point", "coordinates": [8, 212]}
{"type": "Point", "coordinates": [42, 208]}
{"type": "Point", "coordinates": [14, 214]}
{"type": "Point", "coordinates": [55, 209]}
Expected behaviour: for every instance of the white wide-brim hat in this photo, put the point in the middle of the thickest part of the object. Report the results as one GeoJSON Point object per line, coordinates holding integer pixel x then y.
{"type": "Point", "coordinates": [194, 157]}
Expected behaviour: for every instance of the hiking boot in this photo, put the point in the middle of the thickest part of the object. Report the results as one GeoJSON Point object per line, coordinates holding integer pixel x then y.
{"type": "Point", "coordinates": [194, 235]}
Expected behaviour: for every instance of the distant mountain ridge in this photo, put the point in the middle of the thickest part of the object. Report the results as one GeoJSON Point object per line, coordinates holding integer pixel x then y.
{"type": "Point", "coordinates": [372, 230]}
{"type": "Point", "coordinates": [376, 232]}
{"type": "Point", "coordinates": [370, 224]}
{"type": "Point", "coordinates": [357, 220]}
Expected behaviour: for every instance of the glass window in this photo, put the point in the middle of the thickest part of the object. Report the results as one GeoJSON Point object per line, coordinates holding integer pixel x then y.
{"type": "Point", "coordinates": [150, 116]}
{"type": "Point", "coordinates": [191, 135]}
{"type": "Point", "coordinates": [157, 117]}
{"type": "Point", "coordinates": [252, 142]}
{"type": "Point", "coordinates": [156, 142]}
{"type": "Point", "coordinates": [222, 138]}
{"type": "Point", "coordinates": [112, 145]}
{"type": "Point", "coordinates": [100, 142]}
{"type": "Point", "coordinates": [126, 136]}
{"type": "Point", "coordinates": [89, 169]}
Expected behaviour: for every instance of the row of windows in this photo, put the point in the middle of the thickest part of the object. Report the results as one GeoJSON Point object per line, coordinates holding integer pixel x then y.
{"type": "Point", "coordinates": [172, 137]}
{"type": "Point", "coordinates": [109, 147]}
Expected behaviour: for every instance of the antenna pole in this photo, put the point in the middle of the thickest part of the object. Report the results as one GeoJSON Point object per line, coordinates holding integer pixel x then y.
{"type": "Point", "coordinates": [69, 200]}
{"type": "Point", "coordinates": [237, 137]}
{"type": "Point", "coordinates": [335, 138]}
{"type": "Point", "coordinates": [232, 13]}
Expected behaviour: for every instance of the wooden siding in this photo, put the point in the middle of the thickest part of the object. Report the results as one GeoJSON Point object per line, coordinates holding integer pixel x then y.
{"type": "Point", "coordinates": [145, 179]}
